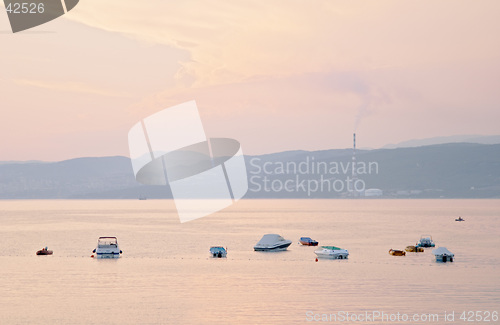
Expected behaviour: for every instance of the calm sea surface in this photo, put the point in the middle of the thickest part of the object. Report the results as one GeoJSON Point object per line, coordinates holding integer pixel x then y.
{"type": "Point", "coordinates": [166, 276]}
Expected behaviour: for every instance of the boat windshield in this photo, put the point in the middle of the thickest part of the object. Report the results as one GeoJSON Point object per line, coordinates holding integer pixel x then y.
{"type": "Point", "coordinates": [331, 247]}
{"type": "Point", "coordinates": [107, 241]}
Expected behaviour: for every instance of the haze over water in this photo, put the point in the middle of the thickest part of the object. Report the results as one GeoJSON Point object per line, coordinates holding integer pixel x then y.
{"type": "Point", "coordinates": [166, 276]}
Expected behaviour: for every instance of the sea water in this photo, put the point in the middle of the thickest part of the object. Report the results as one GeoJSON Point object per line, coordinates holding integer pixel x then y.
{"type": "Point", "coordinates": [166, 276]}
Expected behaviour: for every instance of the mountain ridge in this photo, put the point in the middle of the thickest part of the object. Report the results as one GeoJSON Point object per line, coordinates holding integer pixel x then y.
{"type": "Point", "coordinates": [479, 139]}
{"type": "Point", "coordinates": [454, 170]}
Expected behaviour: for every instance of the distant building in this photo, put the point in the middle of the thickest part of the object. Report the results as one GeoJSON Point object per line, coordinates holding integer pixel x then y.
{"type": "Point", "coordinates": [373, 192]}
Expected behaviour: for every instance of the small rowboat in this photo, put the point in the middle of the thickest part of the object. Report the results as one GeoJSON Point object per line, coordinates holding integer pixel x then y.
{"type": "Point", "coordinates": [397, 252]}
{"type": "Point", "coordinates": [44, 251]}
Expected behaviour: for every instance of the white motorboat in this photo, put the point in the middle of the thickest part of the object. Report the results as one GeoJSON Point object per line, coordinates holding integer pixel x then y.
{"type": "Point", "coordinates": [218, 251]}
{"type": "Point", "coordinates": [272, 242]}
{"type": "Point", "coordinates": [107, 247]}
{"type": "Point", "coordinates": [425, 241]}
{"type": "Point", "coordinates": [332, 252]}
{"type": "Point", "coordinates": [443, 254]}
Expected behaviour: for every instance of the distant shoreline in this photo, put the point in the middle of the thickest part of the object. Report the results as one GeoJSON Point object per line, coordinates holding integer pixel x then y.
{"type": "Point", "coordinates": [336, 199]}
{"type": "Point", "coordinates": [448, 171]}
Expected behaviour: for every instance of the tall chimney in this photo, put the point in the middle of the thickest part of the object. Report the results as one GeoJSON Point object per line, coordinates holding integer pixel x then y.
{"type": "Point", "coordinates": [354, 174]}
{"type": "Point", "coordinates": [354, 156]}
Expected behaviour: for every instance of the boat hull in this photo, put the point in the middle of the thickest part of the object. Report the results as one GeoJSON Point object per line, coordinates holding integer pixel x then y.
{"type": "Point", "coordinates": [218, 252]}
{"type": "Point", "coordinates": [443, 255]}
{"type": "Point", "coordinates": [332, 252]}
{"type": "Point", "coordinates": [40, 252]}
{"type": "Point", "coordinates": [444, 258]}
{"type": "Point", "coordinates": [414, 249]}
{"type": "Point", "coordinates": [307, 241]}
{"type": "Point", "coordinates": [275, 248]}
{"type": "Point", "coordinates": [426, 241]}
{"type": "Point", "coordinates": [311, 243]}
{"type": "Point", "coordinates": [339, 256]}
{"type": "Point", "coordinates": [107, 255]}
{"type": "Point", "coordinates": [395, 252]}
{"type": "Point", "coordinates": [107, 247]}
{"type": "Point", "coordinates": [426, 245]}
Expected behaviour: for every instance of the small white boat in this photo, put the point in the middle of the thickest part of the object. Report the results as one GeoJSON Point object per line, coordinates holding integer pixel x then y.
{"type": "Point", "coordinates": [107, 247]}
{"type": "Point", "coordinates": [218, 251]}
{"type": "Point", "coordinates": [425, 241]}
{"type": "Point", "coordinates": [443, 254]}
{"type": "Point", "coordinates": [332, 252]}
{"type": "Point", "coordinates": [272, 242]}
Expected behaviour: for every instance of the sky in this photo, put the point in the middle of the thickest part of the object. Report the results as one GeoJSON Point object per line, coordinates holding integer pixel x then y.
{"type": "Point", "coordinates": [275, 75]}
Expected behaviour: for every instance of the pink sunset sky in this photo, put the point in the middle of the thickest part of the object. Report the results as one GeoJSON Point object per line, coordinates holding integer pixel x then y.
{"type": "Point", "coordinates": [275, 75]}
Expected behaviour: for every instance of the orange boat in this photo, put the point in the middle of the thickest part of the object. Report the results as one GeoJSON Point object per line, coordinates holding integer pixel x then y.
{"type": "Point", "coordinates": [414, 249]}
{"type": "Point", "coordinates": [397, 252]}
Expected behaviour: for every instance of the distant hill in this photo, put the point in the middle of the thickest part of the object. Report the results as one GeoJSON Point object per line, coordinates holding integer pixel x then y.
{"type": "Point", "coordinates": [480, 139]}
{"type": "Point", "coordinates": [456, 170]}
{"type": "Point", "coordinates": [20, 162]}
{"type": "Point", "coordinates": [73, 178]}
